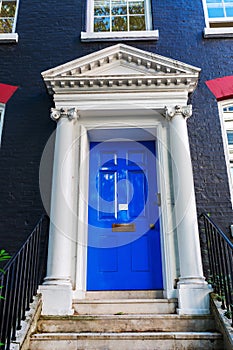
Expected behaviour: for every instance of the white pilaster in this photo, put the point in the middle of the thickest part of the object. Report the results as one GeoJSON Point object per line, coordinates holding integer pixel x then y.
{"type": "Point", "coordinates": [193, 290]}
{"type": "Point", "coordinates": [57, 287]}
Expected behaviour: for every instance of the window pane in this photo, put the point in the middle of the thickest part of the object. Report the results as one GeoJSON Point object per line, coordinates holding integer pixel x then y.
{"type": "Point", "coordinates": [136, 7]}
{"type": "Point", "coordinates": [230, 137]}
{"type": "Point", "coordinates": [119, 7]}
{"type": "Point", "coordinates": [119, 24]}
{"type": "Point", "coordinates": [137, 23]}
{"type": "Point", "coordinates": [101, 24]}
{"type": "Point", "coordinates": [229, 11]}
{"type": "Point", "coordinates": [215, 12]}
{"type": "Point", "coordinates": [113, 15]}
{"type": "Point", "coordinates": [101, 8]}
{"type": "Point", "coordinates": [6, 25]}
{"type": "Point", "coordinates": [8, 9]}
{"type": "Point", "coordinates": [214, 1]}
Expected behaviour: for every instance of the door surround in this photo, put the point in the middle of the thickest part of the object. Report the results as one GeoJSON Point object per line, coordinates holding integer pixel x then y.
{"type": "Point", "coordinates": [135, 131]}
{"type": "Point", "coordinates": [122, 92]}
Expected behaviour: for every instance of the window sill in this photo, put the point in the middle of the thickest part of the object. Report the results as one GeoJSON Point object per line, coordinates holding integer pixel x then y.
{"type": "Point", "coordinates": [8, 38]}
{"type": "Point", "coordinates": [113, 36]}
{"type": "Point", "coordinates": [226, 32]}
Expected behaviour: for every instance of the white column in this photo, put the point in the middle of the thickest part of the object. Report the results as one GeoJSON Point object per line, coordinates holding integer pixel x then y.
{"type": "Point", "coordinates": [57, 287]}
{"type": "Point", "coordinates": [193, 290]}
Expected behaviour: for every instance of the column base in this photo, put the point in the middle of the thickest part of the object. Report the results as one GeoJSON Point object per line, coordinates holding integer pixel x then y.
{"type": "Point", "coordinates": [56, 299]}
{"type": "Point", "coordinates": [193, 298]}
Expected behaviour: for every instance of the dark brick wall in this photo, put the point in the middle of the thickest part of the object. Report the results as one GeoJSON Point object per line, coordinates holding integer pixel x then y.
{"type": "Point", "coordinates": [48, 36]}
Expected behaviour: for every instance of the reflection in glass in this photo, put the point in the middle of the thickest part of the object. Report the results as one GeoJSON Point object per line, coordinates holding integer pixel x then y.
{"type": "Point", "coordinates": [119, 24]}
{"type": "Point", "coordinates": [119, 15]}
{"type": "Point", "coordinates": [136, 7]}
{"type": "Point", "coordinates": [101, 24]}
{"type": "Point", "coordinates": [6, 25]}
{"type": "Point", "coordinates": [119, 7]}
{"type": "Point", "coordinates": [137, 23]}
{"type": "Point", "coordinates": [220, 8]}
{"type": "Point", "coordinates": [8, 8]}
{"type": "Point", "coordinates": [229, 11]}
{"type": "Point", "coordinates": [102, 7]}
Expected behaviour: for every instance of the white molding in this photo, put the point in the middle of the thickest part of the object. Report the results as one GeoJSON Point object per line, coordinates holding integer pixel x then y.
{"type": "Point", "coordinates": [223, 32]}
{"type": "Point", "coordinates": [220, 32]}
{"type": "Point", "coordinates": [221, 105]}
{"type": "Point", "coordinates": [205, 13]}
{"type": "Point", "coordinates": [2, 114]}
{"type": "Point", "coordinates": [121, 68]}
{"type": "Point", "coordinates": [90, 16]}
{"type": "Point", "coordinates": [134, 129]}
{"type": "Point", "coordinates": [8, 38]}
{"type": "Point", "coordinates": [123, 91]}
{"type": "Point", "coordinates": [113, 36]}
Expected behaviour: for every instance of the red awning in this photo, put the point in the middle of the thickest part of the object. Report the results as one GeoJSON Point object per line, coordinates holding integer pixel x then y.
{"type": "Point", "coordinates": [6, 91]}
{"type": "Point", "coordinates": [222, 88]}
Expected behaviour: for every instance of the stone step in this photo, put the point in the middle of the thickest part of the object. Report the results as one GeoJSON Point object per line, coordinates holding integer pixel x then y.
{"type": "Point", "coordinates": [125, 306]}
{"type": "Point", "coordinates": [124, 294]}
{"type": "Point", "coordinates": [125, 323]}
{"type": "Point", "coordinates": [127, 341]}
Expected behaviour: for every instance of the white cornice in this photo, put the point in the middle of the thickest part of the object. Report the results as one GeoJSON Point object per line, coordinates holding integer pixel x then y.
{"type": "Point", "coordinates": [121, 68]}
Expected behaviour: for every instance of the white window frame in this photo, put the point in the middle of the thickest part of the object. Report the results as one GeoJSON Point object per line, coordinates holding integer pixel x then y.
{"type": "Point", "coordinates": [226, 120]}
{"type": "Point", "coordinates": [12, 37]}
{"type": "Point", "coordinates": [221, 31]}
{"type": "Point", "coordinates": [2, 113]}
{"type": "Point", "coordinates": [90, 35]}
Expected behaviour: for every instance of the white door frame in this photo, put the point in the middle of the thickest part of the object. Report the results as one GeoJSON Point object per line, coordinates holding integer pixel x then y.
{"type": "Point", "coordinates": [127, 89]}
{"type": "Point", "coordinates": [153, 128]}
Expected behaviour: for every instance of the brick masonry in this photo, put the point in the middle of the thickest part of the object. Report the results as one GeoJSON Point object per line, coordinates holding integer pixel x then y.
{"type": "Point", "coordinates": [49, 35]}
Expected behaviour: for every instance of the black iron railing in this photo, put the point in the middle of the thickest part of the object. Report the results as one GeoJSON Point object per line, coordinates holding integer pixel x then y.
{"type": "Point", "coordinates": [20, 280]}
{"type": "Point", "coordinates": [220, 263]}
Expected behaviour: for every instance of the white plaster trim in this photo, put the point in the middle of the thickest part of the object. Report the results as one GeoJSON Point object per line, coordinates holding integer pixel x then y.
{"type": "Point", "coordinates": [110, 110]}
{"type": "Point", "coordinates": [170, 266]}
{"type": "Point", "coordinates": [131, 103]}
{"type": "Point", "coordinates": [82, 231]}
{"type": "Point", "coordinates": [157, 125]}
{"type": "Point", "coordinates": [221, 105]}
{"type": "Point", "coordinates": [121, 68]}
{"type": "Point", "coordinates": [112, 36]}
{"type": "Point", "coordinates": [2, 114]}
{"type": "Point", "coordinates": [8, 38]}
{"type": "Point", "coordinates": [224, 32]}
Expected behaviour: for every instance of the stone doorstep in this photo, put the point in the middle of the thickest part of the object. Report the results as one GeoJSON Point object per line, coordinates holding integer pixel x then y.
{"type": "Point", "coordinates": [125, 323]}
{"type": "Point", "coordinates": [127, 341]}
{"type": "Point", "coordinates": [126, 294]}
{"type": "Point", "coordinates": [128, 306]}
{"type": "Point", "coordinates": [128, 335]}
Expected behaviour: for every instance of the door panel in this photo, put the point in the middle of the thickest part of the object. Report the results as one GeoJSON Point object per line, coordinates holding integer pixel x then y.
{"type": "Point", "coordinates": [122, 192]}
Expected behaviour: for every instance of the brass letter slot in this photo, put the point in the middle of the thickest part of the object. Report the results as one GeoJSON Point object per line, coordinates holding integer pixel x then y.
{"type": "Point", "coordinates": [123, 227]}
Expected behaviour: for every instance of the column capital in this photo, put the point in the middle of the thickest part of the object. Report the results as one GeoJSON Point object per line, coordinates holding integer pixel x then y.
{"type": "Point", "coordinates": [70, 113]}
{"type": "Point", "coordinates": [170, 112]}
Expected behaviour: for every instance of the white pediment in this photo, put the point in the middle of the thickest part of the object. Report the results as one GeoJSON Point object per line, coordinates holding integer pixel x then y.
{"type": "Point", "coordinates": [121, 66]}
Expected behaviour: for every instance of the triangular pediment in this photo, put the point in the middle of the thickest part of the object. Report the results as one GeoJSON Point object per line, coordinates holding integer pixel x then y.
{"type": "Point", "coordinates": [121, 65]}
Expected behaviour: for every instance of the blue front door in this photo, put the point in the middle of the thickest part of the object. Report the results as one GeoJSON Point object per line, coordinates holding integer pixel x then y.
{"type": "Point", "coordinates": [123, 236]}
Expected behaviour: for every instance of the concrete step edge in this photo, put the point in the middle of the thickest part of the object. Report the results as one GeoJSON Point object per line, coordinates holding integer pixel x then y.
{"type": "Point", "coordinates": [128, 294]}
{"type": "Point", "coordinates": [128, 335]}
{"type": "Point", "coordinates": [126, 316]}
{"type": "Point", "coordinates": [124, 301]}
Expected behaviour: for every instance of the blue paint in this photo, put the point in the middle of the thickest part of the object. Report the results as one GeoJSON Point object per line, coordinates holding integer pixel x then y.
{"type": "Point", "coordinates": [122, 189]}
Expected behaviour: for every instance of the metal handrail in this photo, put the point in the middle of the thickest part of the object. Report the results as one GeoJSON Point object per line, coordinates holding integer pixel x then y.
{"type": "Point", "coordinates": [22, 275]}
{"type": "Point", "coordinates": [220, 263]}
